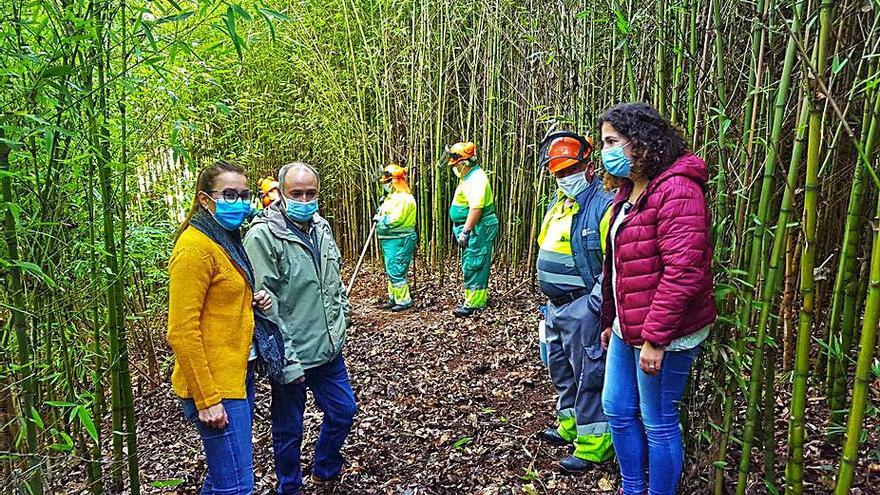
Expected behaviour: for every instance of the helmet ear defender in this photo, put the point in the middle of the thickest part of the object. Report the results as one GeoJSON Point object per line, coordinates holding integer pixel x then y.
{"type": "Point", "coordinates": [586, 147]}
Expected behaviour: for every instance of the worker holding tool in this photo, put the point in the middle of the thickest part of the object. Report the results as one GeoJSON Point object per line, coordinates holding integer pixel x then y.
{"type": "Point", "coordinates": [474, 224]}
{"type": "Point", "coordinates": [569, 265]}
{"type": "Point", "coordinates": [396, 229]}
{"type": "Point", "coordinates": [297, 262]}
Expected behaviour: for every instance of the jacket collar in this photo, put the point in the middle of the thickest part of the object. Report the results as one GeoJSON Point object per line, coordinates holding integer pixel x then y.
{"type": "Point", "coordinates": [273, 216]}
{"type": "Point", "coordinates": [688, 165]}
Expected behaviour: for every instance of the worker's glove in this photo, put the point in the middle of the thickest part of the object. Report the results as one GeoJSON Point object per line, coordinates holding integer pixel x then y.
{"type": "Point", "coordinates": [463, 238]}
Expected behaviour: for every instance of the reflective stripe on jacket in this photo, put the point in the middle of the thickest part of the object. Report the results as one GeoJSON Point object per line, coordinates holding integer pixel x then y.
{"type": "Point", "coordinates": [570, 255]}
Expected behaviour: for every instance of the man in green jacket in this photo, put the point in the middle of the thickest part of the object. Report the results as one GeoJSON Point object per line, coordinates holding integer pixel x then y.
{"type": "Point", "coordinates": [296, 261]}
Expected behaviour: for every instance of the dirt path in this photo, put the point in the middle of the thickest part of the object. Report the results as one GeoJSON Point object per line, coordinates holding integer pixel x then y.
{"type": "Point", "coordinates": [445, 406]}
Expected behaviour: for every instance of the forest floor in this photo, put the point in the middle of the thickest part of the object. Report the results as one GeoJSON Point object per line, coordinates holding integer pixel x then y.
{"type": "Point", "coordinates": [445, 405]}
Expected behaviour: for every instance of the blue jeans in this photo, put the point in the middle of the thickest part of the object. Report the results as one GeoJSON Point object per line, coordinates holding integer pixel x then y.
{"type": "Point", "coordinates": [650, 443]}
{"type": "Point", "coordinates": [228, 451]}
{"type": "Point", "coordinates": [334, 397]}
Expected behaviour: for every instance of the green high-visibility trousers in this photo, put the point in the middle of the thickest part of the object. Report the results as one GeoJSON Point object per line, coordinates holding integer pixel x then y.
{"type": "Point", "coordinates": [398, 253]}
{"type": "Point", "coordinates": [476, 260]}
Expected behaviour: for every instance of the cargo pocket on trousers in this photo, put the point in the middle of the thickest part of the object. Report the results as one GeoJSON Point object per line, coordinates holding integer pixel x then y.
{"type": "Point", "coordinates": [594, 367]}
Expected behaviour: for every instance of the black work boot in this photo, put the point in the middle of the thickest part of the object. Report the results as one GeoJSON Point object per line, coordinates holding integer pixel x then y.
{"type": "Point", "coordinates": [552, 436]}
{"type": "Point", "coordinates": [575, 465]}
{"type": "Point", "coordinates": [462, 311]}
{"type": "Point", "coordinates": [401, 307]}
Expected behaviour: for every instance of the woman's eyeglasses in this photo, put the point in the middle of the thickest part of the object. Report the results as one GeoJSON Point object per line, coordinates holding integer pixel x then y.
{"type": "Point", "coordinates": [231, 195]}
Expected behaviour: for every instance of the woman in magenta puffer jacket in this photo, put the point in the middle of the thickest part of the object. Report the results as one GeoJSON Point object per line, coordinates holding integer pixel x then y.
{"type": "Point", "coordinates": [658, 301]}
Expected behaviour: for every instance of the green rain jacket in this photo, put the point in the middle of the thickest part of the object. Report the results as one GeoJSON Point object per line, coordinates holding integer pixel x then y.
{"type": "Point", "coordinates": [309, 302]}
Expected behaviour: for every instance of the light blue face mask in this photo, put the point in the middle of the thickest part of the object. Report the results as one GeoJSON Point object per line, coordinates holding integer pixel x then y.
{"type": "Point", "coordinates": [616, 162]}
{"type": "Point", "coordinates": [573, 184]}
{"type": "Point", "coordinates": [387, 187]}
{"type": "Point", "coordinates": [230, 216]}
{"type": "Point", "coordinates": [301, 211]}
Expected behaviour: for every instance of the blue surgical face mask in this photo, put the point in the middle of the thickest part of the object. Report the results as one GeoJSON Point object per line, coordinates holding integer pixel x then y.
{"type": "Point", "coordinates": [573, 184]}
{"type": "Point", "coordinates": [616, 162]}
{"type": "Point", "coordinates": [230, 216]}
{"type": "Point", "coordinates": [301, 211]}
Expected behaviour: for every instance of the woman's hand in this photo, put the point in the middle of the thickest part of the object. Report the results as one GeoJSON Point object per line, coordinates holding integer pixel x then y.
{"type": "Point", "coordinates": [214, 416]}
{"type": "Point", "coordinates": [651, 358]}
{"type": "Point", "coordinates": [605, 338]}
{"type": "Point", "coordinates": [262, 301]}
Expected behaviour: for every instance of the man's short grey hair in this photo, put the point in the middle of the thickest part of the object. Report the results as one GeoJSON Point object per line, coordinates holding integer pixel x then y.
{"type": "Point", "coordinates": [282, 173]}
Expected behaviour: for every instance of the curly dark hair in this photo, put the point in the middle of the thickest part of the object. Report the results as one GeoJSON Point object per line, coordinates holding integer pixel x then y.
{"type": "Point", "coordinates": [656, 143]}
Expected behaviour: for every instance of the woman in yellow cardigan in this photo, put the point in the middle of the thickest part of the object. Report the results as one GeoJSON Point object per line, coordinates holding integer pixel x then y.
{"type": "Point", "coordinates": [211, 326]}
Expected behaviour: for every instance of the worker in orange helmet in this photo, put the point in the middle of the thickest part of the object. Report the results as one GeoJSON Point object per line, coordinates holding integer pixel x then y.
{"type": "Point", "coordinates": [396, 229]}
{"type": "Point", "coordinates": [269, 191]}
{"type": "Point", "coordinates": [571, 250]}
{"type": "Point", "coordinates": [474, 224]}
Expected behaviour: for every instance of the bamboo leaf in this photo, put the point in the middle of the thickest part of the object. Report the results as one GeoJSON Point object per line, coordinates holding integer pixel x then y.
{"type": "Point", "coordinates": [462, 442]}
{"type": "Point", "coordinates": [623, 25]}
{"type": "Point", "coordinates": [273, 14]}
{"type": "Point", "coordinates": [241, 12]}
{"type": "Point", "coordinates": [57, 71]}
{"type": "Point", "coordinates": [67, 446]}
{"type": "Point", "coordinates": [35, 416]}
{"type": "Point", "coordinates": [229, 21]}
{"type": "Point", "coordinates": [35, 271]}
{"type": "Point", "coordinates": [169, 483]}
{"type": "Point", "coordinates": [174, 18]}
{"type": "Point", "coordinates": [86, 419]}
{"type": "Point", "coordinates": [268, 24]}
{"type": "Point", "coordinates": [838, 64]}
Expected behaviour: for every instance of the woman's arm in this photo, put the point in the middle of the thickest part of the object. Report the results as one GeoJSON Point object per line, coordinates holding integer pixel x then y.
{"type": "Point", "coordinates": [684, 245]}
{"type": "Point", "coordinates": [190, 273]}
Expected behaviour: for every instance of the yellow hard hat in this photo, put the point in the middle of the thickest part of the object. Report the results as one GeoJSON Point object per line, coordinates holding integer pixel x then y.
{"type": "Point", "coordinates": [461, 151]}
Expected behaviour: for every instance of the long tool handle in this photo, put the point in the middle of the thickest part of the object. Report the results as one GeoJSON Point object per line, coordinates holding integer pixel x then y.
{"type": "Point", "coordinates": [361, 259]}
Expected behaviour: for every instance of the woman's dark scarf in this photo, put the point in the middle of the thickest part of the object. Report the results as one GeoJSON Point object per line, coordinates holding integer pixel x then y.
{"type": "Point", "coordinates": [267, 336]}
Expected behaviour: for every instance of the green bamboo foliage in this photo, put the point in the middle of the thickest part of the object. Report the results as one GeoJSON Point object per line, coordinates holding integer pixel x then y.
{"type": "Point", "coordinates": [107, 109]}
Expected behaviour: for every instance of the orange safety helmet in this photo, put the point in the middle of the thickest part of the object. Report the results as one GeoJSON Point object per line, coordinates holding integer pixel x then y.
{"type": "Point", "coordinates": [269, 191]}
{"type": "Point", "coordinates": [392, 172]}
{"type": "Point", "coordinates": [563, 149]}
{"type": "Point", "coordinates": [461, 151]}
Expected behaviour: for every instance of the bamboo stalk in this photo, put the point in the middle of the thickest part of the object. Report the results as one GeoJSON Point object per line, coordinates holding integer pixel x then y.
{"type": "Point", "coordinates": [768, 295]}
{"type": "Point", "coordinates": [797, 432]}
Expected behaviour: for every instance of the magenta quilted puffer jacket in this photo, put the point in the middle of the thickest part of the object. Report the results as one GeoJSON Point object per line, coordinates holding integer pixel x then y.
{"type": "Point", "coordinates": [663, 257]}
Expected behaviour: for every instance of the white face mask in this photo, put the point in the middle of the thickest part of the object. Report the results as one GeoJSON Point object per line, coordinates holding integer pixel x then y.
{"type": "Point", "coordinates": [387, 187]}
{"type": "Point", "coordinates": [573, 184]}
{"type": "Point", "coordinates": [456, 171]}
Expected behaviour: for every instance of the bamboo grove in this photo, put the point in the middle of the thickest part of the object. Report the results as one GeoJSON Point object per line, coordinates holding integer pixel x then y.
{"type": "Point", "coordinates": [108, 106]}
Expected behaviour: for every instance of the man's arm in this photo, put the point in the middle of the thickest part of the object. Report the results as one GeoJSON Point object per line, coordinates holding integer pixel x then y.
{"type": "Point", "coordinates": [473, 218]}
{"type": "Point", "coordinates": [267, 277]}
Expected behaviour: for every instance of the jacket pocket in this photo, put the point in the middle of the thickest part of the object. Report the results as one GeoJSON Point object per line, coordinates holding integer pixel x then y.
{"type": "Point", "coordinates": [593, 249]}
{"type": "Point", "coordinates": [593, 374]}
